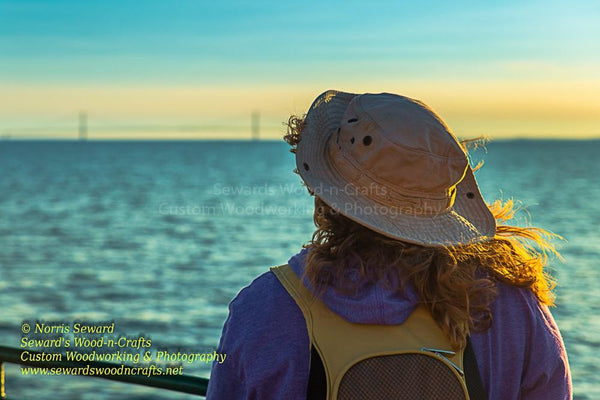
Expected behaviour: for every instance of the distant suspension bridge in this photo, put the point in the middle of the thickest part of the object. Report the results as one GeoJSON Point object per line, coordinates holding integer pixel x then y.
{"type": "Point", "coordinates": [105, 128]}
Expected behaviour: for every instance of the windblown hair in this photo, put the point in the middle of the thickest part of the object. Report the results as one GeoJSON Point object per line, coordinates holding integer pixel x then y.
{"type": "Point", "coordinates": [457, 284]}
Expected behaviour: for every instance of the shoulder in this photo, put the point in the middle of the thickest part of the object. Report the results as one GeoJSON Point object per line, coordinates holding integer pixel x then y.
{"type": "Point", "coordinates": [546, 371]}
{"type": "Point", "coordinates": [506, 342]}
{"type": "Point", "coordinates": [264, 310]}
{"type": "Point", "coordinates": [518, 306]}
{"type": "Point", "coordinates": [265, 337]}
{"type": "Point", "coordinates": [519, 311]}
{"type": "Point", "coordinates": [523, 345]}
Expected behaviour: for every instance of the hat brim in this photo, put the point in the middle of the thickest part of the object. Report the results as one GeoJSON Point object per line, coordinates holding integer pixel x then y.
{"type": "Point", "coordinates": [469, 220]}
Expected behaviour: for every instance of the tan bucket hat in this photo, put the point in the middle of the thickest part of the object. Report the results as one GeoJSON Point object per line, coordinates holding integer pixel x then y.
{"type": "Point", "coordinates": [391, 164]}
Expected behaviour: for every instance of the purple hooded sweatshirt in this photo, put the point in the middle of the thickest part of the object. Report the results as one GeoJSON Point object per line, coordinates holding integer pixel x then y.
{"type": "Point", "coordinates": [522, 356]}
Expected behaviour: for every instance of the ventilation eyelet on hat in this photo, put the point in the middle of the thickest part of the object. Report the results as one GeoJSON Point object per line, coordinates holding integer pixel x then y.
{"type": "Point", "coordinates": [305, 165]}
{"type": "Point", "coordinates": [470, 195]}
{"type": "Point", "coordinates": [367, 140]}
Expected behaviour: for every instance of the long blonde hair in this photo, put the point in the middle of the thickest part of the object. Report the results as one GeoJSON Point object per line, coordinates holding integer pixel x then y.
{"type": "Point", "coordinates": [457, 284]}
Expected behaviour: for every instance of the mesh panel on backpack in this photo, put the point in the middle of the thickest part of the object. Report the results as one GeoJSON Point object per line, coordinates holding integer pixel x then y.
{"type": "Point", "coordinates": [400, 376]}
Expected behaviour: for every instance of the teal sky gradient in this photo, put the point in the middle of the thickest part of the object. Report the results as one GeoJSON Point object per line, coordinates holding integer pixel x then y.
{"type": "Point", "coordinates": [309, 44]}
{"type": "Point", "coordinates": [251, 41]}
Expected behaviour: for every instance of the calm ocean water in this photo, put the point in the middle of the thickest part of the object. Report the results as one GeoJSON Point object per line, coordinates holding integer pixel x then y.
{"type": "Point", "coordinates": [159, 236]}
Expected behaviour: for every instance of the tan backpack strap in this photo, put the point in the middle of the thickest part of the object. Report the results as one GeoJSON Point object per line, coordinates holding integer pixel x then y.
{"type": "Point", "coordinates": [301, 295]}
{"type": "Point", "coordinates": [341, 344]}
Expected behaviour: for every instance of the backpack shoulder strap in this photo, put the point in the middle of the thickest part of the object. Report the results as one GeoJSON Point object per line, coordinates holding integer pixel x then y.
{"type": "Point", "coordinates": [301, 295]}
{"type": "Point", "coordinates": [339, 352]}
{"type": "Point", "coordinates": [472, 376]}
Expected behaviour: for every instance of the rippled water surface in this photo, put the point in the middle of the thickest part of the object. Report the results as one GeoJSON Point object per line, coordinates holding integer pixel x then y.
{"type": "Point", "coordinates": [159, 236]}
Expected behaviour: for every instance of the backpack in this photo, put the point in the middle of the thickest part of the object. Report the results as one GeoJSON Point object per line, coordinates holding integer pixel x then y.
{"type": "Point", "coordinates": [413, 360]}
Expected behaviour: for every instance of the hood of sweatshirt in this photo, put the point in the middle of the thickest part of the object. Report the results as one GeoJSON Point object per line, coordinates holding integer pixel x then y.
{"type": "Point", "coordinates": [372, 304]}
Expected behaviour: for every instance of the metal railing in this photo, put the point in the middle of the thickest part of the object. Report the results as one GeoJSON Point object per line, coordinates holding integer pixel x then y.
{"type": "Point", "coordinates": [179, 383]}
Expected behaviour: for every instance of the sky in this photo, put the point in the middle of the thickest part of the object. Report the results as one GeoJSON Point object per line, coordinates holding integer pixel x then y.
{"type": "Point", "coordinates": [199, 69]}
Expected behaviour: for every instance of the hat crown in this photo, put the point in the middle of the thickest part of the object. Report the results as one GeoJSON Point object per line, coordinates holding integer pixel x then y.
{"type": "Point", "coordinates": [400, 143]}
{"type": "Point", "coordinates": [391, 164]}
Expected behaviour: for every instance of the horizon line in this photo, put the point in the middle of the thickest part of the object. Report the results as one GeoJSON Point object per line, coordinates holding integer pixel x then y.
{"type": "Point", "coordinates": [101, 140]}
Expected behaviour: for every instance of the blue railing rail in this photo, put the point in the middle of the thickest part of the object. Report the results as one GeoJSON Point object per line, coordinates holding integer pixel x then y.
{"type": "Point", "coordinates": [179, 383]}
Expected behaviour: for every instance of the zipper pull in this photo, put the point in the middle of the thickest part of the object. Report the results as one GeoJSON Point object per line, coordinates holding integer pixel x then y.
{"type": "Point", "coordinates": [441, 353]}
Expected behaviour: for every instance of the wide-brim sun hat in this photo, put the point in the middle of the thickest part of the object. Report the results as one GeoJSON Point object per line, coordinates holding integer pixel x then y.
{"type": "Point", "coordinates": [390, 163]}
